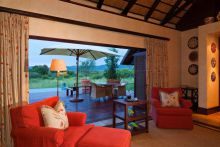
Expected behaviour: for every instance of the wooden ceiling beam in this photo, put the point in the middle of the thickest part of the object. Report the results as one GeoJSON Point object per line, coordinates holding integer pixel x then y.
{"type": "Point", "coordinates": [99, 4]}
{"type": "Point", "coordinates": [150, 12]}
{"type": "Point", "coordinates": [144, 6]}
{"type": "Point", "coordinates": [170, 14]}
{"type": "Point", "coordinates": [182, 8]}
{"type": "Point", "coordinates": [199, 10]}
{"type": "Point", "coordinates": [128, 7]}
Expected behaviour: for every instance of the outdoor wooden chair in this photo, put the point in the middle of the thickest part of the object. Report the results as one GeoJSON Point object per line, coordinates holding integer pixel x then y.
{"type": "Point", "coordinates": [85, 83]}
{"type": "Point", "coordinates": [121, 90]}
{"type": "Point", "coordinates": [97, 91]}
{"type": "Point", "coordinates": [109, 91]}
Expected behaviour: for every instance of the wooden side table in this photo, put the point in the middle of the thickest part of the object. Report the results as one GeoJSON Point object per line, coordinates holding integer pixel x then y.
{"type": "Point", "coordinates": [136, 116]}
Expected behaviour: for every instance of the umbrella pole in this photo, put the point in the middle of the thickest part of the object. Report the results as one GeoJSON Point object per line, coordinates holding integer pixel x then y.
{"type": "Point", "coordinates": [77, 77]}
{"type": "Point", "coordinates": [77, 99]}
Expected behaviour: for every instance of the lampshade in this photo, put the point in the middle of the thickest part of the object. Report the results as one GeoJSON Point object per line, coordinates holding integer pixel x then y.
{"type": "Point", "coordinates": [57, 65]}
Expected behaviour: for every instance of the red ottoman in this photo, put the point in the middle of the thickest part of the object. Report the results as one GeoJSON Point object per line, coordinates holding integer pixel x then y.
{"type": "Point", "coordinates": [106, 137]}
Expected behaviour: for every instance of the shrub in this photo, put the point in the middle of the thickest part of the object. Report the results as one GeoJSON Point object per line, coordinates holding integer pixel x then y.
{"type": "Point", "coordinates": [97, 75]}
{"type": "Point", "coordinates": [34, 75]}
{"type": "Point", "coordinates": [44, 77]}
{"type": "Point", "coordinates": [41, 69]}
{"type": "Point", "coordinates": [125, 73]}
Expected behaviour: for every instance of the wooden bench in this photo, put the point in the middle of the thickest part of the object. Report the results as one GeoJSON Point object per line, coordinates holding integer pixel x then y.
{"type": "Point", "coordinates": [72, 89]}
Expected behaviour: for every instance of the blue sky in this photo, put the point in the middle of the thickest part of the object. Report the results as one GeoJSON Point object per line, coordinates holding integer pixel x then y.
{"type": "Point", "coordinates": [35, 58]}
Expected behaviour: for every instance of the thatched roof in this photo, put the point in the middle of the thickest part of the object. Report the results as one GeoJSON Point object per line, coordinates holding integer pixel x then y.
{"type": "Point", "coordinates": [169, 13]}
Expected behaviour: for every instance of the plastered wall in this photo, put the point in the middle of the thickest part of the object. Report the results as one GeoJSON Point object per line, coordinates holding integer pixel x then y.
{"type": "Point", "coordinates": [208, 89]}
{"type": "Point", "coordinates": [186, 78]}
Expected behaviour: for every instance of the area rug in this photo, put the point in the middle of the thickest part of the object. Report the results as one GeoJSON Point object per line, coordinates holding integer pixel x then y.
{"type": "Point", "coordinates": [198, 137]}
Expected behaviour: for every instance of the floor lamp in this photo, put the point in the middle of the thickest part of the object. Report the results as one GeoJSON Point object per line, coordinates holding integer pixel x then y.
{"type": "Point", "coordinates": [58, 66]}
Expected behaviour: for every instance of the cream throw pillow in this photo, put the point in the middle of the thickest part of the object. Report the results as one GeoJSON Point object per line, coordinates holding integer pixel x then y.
{"type": "Point", "coordinates": [55, 117]}
{"type": "Point", "coordinates": [169, 100]}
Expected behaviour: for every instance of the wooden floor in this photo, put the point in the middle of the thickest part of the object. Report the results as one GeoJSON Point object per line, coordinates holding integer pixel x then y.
{"type": "Point", "coordinates": [211, 120]}
{"type": "Point", "coordinates": [95, 109]}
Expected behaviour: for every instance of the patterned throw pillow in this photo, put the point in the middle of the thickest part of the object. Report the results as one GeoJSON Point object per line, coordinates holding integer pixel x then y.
{"type": "Point", "coordinates": [60, 108]}
{"type": "Point", "coordinates": [55, 117]}
{"type": "Point", "coordinates": [169, 99]}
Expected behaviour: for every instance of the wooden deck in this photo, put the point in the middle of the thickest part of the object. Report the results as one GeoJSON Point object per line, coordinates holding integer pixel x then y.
{"type": "Point", "coordinates": [96, 110]}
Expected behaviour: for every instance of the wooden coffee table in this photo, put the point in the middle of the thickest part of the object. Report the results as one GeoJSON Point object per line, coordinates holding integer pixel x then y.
{"type": "Point", "coordinates": [136, 117]}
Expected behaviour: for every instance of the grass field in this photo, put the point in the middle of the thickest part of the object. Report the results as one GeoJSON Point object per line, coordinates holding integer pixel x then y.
{"type": "Point", "coordinates": [69, 81]}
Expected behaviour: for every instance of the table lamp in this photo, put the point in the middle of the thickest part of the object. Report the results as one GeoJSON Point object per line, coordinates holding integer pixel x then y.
{"type": "Point", "coordinates": [58, 66]}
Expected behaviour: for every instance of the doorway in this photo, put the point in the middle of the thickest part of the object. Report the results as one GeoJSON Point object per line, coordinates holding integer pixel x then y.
{"type": "Point", "coordinates": [44, 86]}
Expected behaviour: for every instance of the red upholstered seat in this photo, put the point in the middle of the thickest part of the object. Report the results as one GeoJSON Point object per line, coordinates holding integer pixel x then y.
{"type": "Point", "coordinates": [30, 115]}
{"type": "Point", "coordinates": [106, 137]}
{"type": "Point", "coordinates": [171, 117]}
{"type": "Point", "coordinates": [28, 129]}
{"type": "Point", "coordinates": [73, 134]}
{"type": "Point", "coordinates": [174, 111]}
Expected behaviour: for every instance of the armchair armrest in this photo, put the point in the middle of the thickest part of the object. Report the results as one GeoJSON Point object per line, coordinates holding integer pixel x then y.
{"type": "Point", "coordinates": [155, 103]}
{"type": "Point", "coordinates": [76, 118]}
{"type": "Point", "coordinates": [185, 103]}
{"type": "Point", "coordinates": [38, 136]}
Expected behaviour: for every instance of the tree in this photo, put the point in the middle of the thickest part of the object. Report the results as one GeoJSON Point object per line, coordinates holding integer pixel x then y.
{"type": "Point", "coordinates": [125, 73]}
{"type": "Point", "coordinates": [86, 67]}
{"type": "Point", "coordinates": [41, 69]}
{"type": "Point", "coordinates": [112, 65]}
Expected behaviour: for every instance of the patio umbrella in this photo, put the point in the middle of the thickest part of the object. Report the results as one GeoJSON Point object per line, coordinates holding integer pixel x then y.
{"type": "Point", "coordinates": [68, 50]}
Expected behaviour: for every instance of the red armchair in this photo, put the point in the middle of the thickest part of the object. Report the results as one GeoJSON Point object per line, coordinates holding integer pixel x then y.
{"type": "Point", "coordinates": [171, 117]}
{"type": "Point", "coordinates": [27, 127]}
{"type": "Point", "coordinates": [28, 130]}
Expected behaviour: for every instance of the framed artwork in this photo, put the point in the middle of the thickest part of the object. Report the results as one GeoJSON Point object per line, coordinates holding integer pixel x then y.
{"type": "Point", "coordinates": [213, 47]}
{"type": "Point", "coordinates": [213, 62]}
{"type": "Point", "coordinates": [213, 76]}
{"type": "Point", "coordinates": [193, 69]}
{"type": "Point", "coordinates": [193, 42]}
{"type": "Point", "coordinates": [193, 56]}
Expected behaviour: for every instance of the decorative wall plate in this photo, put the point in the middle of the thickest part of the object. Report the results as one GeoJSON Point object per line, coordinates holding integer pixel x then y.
{"type": "Point", "coordinates": [213, 47]}
{"type": "Point", "coordinates": [193, 42]}
{"type": "Point", "coordinates": [218, 16]}
{"type": "Point", "coordinates": [213, 76]}
{"type": "Point", "coordinates": [193, 69]}
{"type": "Point", "coordinates": [193, 56]}
{"type": "Point", "coordinates": [213, 62]}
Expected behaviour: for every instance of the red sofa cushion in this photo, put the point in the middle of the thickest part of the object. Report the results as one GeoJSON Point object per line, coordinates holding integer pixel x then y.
{"type": "Point", "coordinates": [74, 133]}
{"type": "Point", "coordinates": [173, 111]}
{"type": "Point", "coordinates": [30, 115]}
{"type": "Point", "coordinates": [106, 137]}
{"type": "Point", "coordinates": [155, 91]}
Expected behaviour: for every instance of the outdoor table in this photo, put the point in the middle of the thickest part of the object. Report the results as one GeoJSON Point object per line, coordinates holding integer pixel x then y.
{"type": "Point", "coordinates": [115, 86]}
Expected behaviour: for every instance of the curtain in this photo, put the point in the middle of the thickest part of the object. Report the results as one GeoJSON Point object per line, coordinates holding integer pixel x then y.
{"type": "Point", "coordinates": [157, 64]}
{"type": "Point", "coordinates": [13, 68]}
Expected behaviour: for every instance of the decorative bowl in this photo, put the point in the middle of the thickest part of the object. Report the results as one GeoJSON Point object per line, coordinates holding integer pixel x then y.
{"type": "Point", "coordinates": [208, 20]}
